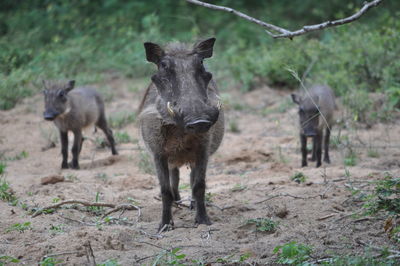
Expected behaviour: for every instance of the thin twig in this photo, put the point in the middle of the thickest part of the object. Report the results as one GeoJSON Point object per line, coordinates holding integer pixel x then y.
{"type": "Point", "coordinates": [89, 253]}
{"type": "Point", "coordinates": [59, 254]}
{"type": "Point", "coordinates": [322, 195]}
{"type": "Point", "coordinates": [77, 221]}
{"type": "Point", "coordinates": [326, 217]}
{"type": "Point", "coordinates": [269, 198]}
{"type": "Point", "coordinates": [154, 245]}
{"type": "Point", "coordinates": [285, 195]}
{"type": "Point", "coordinates": [359, 241]}
{"type": "Point", "coordinates": [361, 220]}
{"type": "Point", "coordinates": [124, 207]}
{"type": "Point", "coordinates": [305, 74]}
{"type": "Point", "coordinates": [165, 227]}
{"type": "Point", "coordinates": [151, 236]}
{"type": "Point", "coordinates": [346, 215]}
{"type": "Point", "coordinates": [88, 204]}
{"type": "Point", "coordinates": [147, 257]}
{"type": "Point", "coordinates": [284, 33]}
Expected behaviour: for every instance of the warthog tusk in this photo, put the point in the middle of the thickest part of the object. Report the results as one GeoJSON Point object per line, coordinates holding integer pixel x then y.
{"type": "Point", "coordinates": [170, 110]}
{"type": "Point", "coordinates": [219, 105]}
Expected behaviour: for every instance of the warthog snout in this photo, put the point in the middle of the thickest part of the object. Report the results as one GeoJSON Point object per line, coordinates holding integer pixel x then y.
{"type": "Point", "coordinates": [310, 133]}
{"type": "Point", "coordinates": [49, 115]}
{"type": "Point", "coordinates": [198, 126]}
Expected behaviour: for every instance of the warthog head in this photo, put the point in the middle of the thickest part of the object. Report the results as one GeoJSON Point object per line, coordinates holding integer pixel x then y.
{"type": "Point", "coordinates": [55, 99]}
{"type": "Point", "coordinates": [182, 83]}
{"type": "Point", "coordinates": [308, 113]}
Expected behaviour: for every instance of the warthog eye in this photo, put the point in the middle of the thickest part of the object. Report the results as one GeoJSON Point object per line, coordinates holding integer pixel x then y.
{"type": "Point", "coordinates": [62, 94]}
{"type": "Point", "coordinates": [164, 64]}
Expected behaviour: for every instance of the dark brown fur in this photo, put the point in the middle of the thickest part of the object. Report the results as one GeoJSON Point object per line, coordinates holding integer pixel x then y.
{"type": "Point", "coordinates": [181, 121]}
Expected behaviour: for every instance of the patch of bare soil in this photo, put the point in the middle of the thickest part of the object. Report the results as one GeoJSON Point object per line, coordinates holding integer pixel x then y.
{"type": "Point", "coordinates": [249, 177]}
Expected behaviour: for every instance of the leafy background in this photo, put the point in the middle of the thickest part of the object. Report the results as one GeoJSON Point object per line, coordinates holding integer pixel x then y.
{"type": "Point", "coordinates": [92, 40]}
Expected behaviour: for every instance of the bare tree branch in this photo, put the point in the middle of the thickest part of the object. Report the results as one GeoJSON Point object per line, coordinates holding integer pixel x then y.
{"type": "Point", "coordinates": [284, 33]}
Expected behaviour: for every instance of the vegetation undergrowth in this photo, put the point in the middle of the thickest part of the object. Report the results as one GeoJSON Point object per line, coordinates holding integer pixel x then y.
{"type": "Point", "coordinates": [92, 41]}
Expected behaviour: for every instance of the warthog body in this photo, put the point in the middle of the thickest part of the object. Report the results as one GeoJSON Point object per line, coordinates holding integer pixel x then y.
{"type": "Point", "coordinates": [72, 110]}
{"type": "Point", "coordinates": [181, 121]}
{"type": "Point", "coordinates": [316, 109]}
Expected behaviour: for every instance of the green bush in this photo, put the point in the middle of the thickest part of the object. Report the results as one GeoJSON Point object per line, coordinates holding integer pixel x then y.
{"type": "Point", "coordinates": [293, 253]}
{"type": "Point", "coordinates": [86, 40]}
{"type": "Point", "coordinates": [263, 224]}
{"type": "Point", "coordinates": [385, 197]}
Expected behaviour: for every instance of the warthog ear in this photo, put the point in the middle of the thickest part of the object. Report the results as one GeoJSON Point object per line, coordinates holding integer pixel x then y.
{"type": "Point", "coordinates": [295, 98]}
{"type": "Point", "coordinates": [154, 52]}
{"type": "Point", "coordinates": [70, 85]}
{"type": "Point", "coordinates": [204, 48]}
{"type": "Point", "coordinates": [44, 84]}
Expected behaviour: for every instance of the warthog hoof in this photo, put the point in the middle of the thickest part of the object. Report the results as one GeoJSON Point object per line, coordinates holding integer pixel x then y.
{"type": "Point", "coordinates": [164, 227]}
{"type": "Point", "coordinates": [192, 205]}
{"type": "Point", "coordinates": [203, 220]}
{"type": "Point", "coordinates": [64, 165]}
{"type": "Point", "coordinates": [74, 165]}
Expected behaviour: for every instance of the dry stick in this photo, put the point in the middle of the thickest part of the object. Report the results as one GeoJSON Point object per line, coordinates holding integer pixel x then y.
{"type": "Point", "coordinates": [360, 220]}
{"type": "Point", "coordinates": [178, 204]}
{"type": "Point", "coordinates": [124, 207]}
{"type": "Point", "coordinates": [89, 253]}
{"type": "Point", "coordinates": [324, 175]}
{"type": "Point", "coordinates": [77, 221]}
{"type": "Point", "coordinates": [285, 195]}
{"type": "Point", "coordinates": [147, 257]}
{"type": "Point", "coordinates": [326, 217]}
{"type": "Point", "coordinates": [141, 231]}
{"type": "Point", "coordinates": [166, 226]}
{"type": "Point", "coordinates": [322, 195]}
{"type": "Point", "coordinates": [269, 198]}
{"type": "Point", "coordinates": [284, 33]}
{"type": "Point", "coordinates": [59, 254]}
{"type": "Point", "coordinates": [346, 215]}
{"type": "Point", "coordinates": [305, 74]}
{"type": "Point", "coordinates": [87, 204]}
{"type": "Point", "coordinates": [151, 236]}
{"type": "Point", "coordinates": [154, 245]}
{"type": "Point", "coordinates": [397, 252]}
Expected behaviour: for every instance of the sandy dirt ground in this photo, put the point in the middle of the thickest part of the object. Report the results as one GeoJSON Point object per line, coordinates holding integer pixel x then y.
{"type": "Point", "coordinates": [248, 178]}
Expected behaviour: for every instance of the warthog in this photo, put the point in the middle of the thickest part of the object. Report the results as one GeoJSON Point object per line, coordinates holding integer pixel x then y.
{"type": "Point", "coordinates": [181, 120]}
{"type": "Point", "coordinates": [316, 110]}
{"type": "Point", "coordinates": [72, 110]}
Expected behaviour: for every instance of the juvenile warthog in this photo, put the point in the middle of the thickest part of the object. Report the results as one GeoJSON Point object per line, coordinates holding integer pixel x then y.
{"type": "Point", "coordinates": [181, 120]}
{"type": "Point", "coordinates": [316, 110]}
{"type": "Point", "coordinates": [72, 110]}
